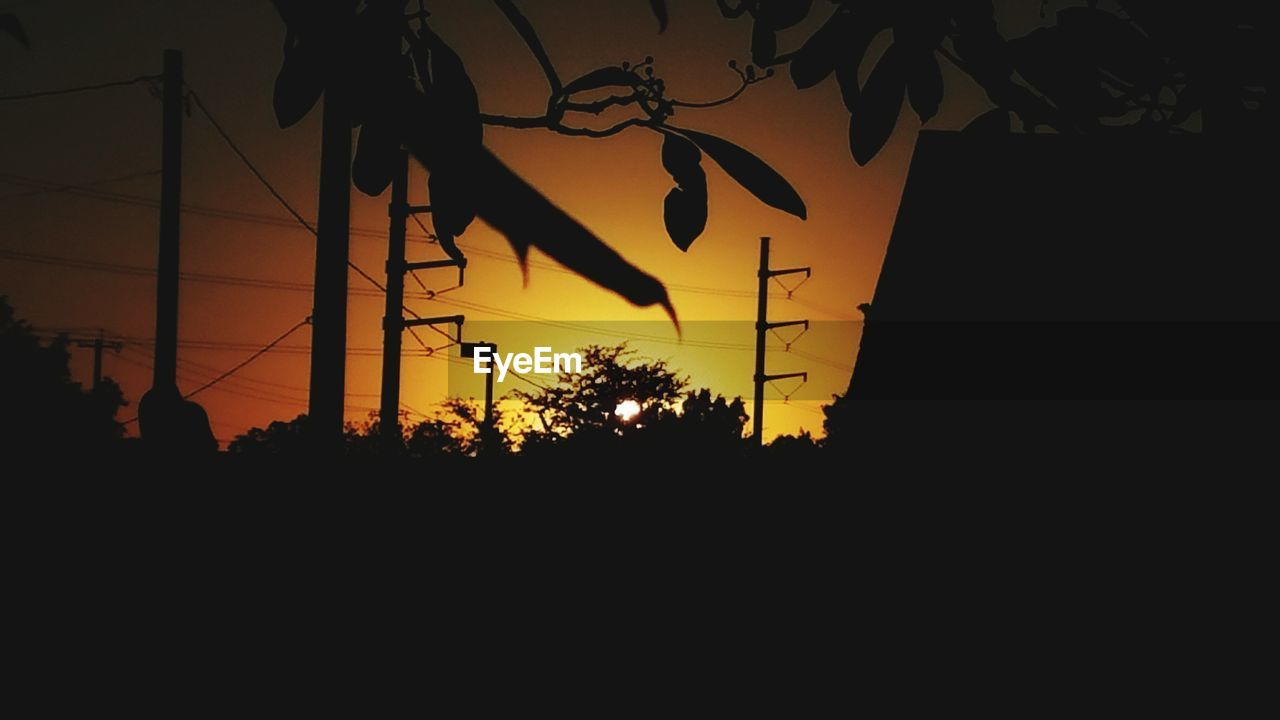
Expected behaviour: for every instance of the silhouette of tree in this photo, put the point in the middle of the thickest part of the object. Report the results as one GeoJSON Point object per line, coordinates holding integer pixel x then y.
{"type": "Point", "coordinates": [411, 89]}
{"type": "Point", "coordinates": [788, 447]}
{"type": "Point", "coordinates": [587, 402]}
{"type": "Point", "coordinates": [456, 429]}
{"type": "Point", "coordinates": [40, 405]}
{"type": "Point", "coordinates": [579, 412]}
{"type": "Point", "coordinates": [459, 429]}
{"type": "Point", "coordinates": [280, 438]}
{"type": "Point", "coordinates": [1122, 66]}
{"type": "Point", "coordinates": [290, 439]}
{"type": "Point", "coordinates": [712, 423]}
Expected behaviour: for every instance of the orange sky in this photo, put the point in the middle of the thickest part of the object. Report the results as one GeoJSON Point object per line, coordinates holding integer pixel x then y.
{"type": "Point", "coordinates": [614, 186]}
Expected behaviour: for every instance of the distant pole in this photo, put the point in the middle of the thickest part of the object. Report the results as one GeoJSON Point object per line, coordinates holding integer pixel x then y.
{"type": "Point", "coordinates": [393, 317]}
{"type": "Point", "coordinates": [489, 420]}
{"type": "Point", "coordinates": [98, 344]}
{"type": "Point", "coordinates": [488, 394]}
{"type": "Point", "coordinates": [763, 326]}
{"type": "Point", "coordinates": [166, 350]}
{"type": "Point", "coordinates": [329, 314]}
{"type": "Point", "coordinates": [97, 360]}
{"type": "Point", "coordinates": [762, 320]}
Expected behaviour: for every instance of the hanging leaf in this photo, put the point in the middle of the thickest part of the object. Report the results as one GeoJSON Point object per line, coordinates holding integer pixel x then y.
{"type": "Point", "coordinates": [867, 20]}
{"type": "Point", "coordinates": [454, 96]}
{"type": "Point", "coordinates": [452, 111]}
{"type": "Point", "coordinates": [681, 158]}
{"type": "Point", "coordinates": [685, 208]}
{"type": "Point", "coordinates": [528, 219]}
{"type": "Point", "coordinates": [453, 200]}
{"type": "Point", "coordinates": [601, 78]}
{"type": "Point", "coordinates": [684, 212]}
{"type": "Point", "coordinates": [660, 12]}
{"type": "Point", "coordinates": [377, 156]}
{"type": "Point", "coordinates": [995, 122]}
{"type": "Point", "coordinates": [300, 82]}
{"type": "Point", "coordinates": [316, 32]}
{"type": "Point", "coordinates": [878, 109]}
{"type": "Point", "coordinates": [764, 45]}
{"type": "Point", "coordinates": [750, 172]}
{"type": "Point", "coordinates": [380, 72]}
{"type": "Point", "coordinates": [924, 89]}
{"type": "Point", "coordinates": [782, 14]}
{"type": "Point", "coordinates": [9, 24]}
{"type": "Point", "coordinates": [847, 77]}
{"type": "Point", "coordinates": [817, 58]}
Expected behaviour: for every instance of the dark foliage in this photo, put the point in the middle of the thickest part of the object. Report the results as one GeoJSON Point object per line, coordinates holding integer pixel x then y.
{"type": "Point", "coordinates": [40, 405]}
{"type": "Point", "coordinates": [1120, 67]}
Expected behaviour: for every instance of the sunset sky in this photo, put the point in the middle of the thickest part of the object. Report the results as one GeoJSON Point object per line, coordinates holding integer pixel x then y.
{"type": "Point", "coordinates": [613, 186]}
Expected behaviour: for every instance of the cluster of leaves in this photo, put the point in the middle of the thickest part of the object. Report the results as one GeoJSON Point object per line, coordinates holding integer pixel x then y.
{"type": "Point", "coordinates": [1146, 66]}
{"type": "Point", "coordinates": [406, 87]}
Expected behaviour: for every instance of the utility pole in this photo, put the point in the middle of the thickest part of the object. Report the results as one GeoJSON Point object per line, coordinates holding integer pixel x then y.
{"type": "Point", "coordinates": [326, 400]}
{"type": "Point", "coordinates": [763, 326]}
{"type": "Point", "coordinates": [98, 344]}
{"type": "Point", "coordinates": [166, 350]}
{"type": "Point", "coordinates": [393, 317]}
{"type": "Point", "coordinates": [393, 320]}
{"type": "Point", "coordinates": [486, 428]}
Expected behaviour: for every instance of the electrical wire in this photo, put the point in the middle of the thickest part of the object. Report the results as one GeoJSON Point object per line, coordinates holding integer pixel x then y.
{"type": "Point", "coordinates": [78, 186]}
{"type": "Point", "coordinates": [199, 104]}
{"type": "Point", "coordinates": [237, 368]}
{"type": "Point", "coordinates": [78, 89]}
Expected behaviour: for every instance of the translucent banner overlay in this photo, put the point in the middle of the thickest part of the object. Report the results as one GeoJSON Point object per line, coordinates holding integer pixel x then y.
{"type": "Point", "coordinates": [717, 355]}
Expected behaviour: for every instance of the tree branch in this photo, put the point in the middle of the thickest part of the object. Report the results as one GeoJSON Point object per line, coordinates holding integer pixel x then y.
{"type": "Point", "coordinates": [607, 132]}
{"type": "Point", "coordinates": [546, 123]}
{"type": "Point", "coordinates": [530, 37]}
{"type": "Point", "coordinates": [712, 103]}
{"type": "Point", "coordinates": [599, 106]}
{"type": "Point", "coordinates": [522, 123]}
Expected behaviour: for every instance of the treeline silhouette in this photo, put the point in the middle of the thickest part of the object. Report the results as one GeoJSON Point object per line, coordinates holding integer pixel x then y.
{"type": "Point", "coordinates": [572, 419]}
{"type": "Point", "coordinates": [40, 405]}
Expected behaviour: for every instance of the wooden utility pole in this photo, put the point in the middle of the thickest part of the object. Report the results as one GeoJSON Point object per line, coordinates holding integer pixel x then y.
{"type": "Point", "coordinates": [326, 401]}
{"type": "Point", "coordinates": [393, 318]}
{"type": "Point", "coordinates": [98, 344]}
{"type": "Point", "coordinates": [166, 350]}
{"type": "Point", "coordinates": [763, 326]}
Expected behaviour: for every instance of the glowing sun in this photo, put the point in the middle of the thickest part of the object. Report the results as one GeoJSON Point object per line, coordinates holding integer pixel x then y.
{"type": "Point", "coordinates": [627, 410]}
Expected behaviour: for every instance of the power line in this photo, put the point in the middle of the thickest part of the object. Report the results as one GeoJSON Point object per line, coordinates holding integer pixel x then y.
{"type": "Point", "coordinates": [195, 99]}
{"type": "Point", "coordinates": [79, 89]}
{"type": "Point", "coordinates": [289, 208]}
{"type": "Point", "coordinates": [263, 284]}
{"type": "Point", "coordinates": [265, 349]}
{"type": "Point", "coordinates": [241, 365]}
{"type": "Point", "coordinates": [78, 186]}
{"type": "Point", "coordinates": [253, 218]}
{"type": "Point", "coordinates": [219, 213]}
